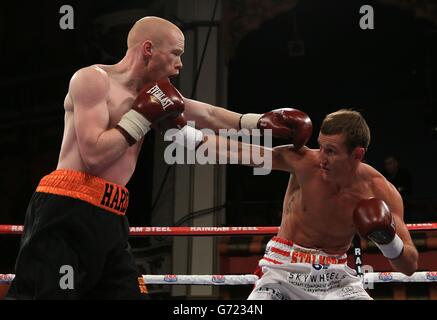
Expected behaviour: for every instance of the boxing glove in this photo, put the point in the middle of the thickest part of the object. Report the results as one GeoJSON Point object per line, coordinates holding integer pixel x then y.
{"type": "Point", "coordinates": [159, 105]}
{"type": "Point", "coordinates": [285, 123]}
{"type": "Point", "coordinates": [373, 221]}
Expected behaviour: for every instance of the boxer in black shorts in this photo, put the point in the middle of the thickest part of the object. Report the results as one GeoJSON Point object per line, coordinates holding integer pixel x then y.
{"type": "Point", "coordinates": [76, 220]}
{"type": "Point", "coordinates": [72, 220]}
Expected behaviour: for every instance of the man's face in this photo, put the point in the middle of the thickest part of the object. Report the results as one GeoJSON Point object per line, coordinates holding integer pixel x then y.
{"type": "Point", "coordinates": [166, 61]}
{"type": "Point", "coordinates": [335, 160]}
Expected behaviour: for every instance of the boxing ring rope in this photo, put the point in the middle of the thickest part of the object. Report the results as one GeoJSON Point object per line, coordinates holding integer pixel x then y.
{"type": "Point", "coordinates": [206, 231]}
{"type": "Point", "coordinates": [248, 279]}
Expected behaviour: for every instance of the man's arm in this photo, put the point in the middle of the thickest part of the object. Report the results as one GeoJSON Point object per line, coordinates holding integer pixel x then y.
{"type": "Point", "coordinates": [99, 146]}
{"type": "Point", "coordinates": [407, 261]}
{"type": "Point", "coordinates": [380, 219]}
{"type": "Point", "coordinates": [285, 123]}
{"type": "Point", "coordinates": [283, 158]}
{"type": "Point", "coordinates": [208, 116]}
{"type": "Point", "coordinates": [236, 152]}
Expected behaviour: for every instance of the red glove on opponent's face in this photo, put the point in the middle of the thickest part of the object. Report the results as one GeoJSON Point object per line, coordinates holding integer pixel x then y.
{"type": "Point", "coordinates": [288, 123]}
{"type": "Point", "coordinates": [285, 123]}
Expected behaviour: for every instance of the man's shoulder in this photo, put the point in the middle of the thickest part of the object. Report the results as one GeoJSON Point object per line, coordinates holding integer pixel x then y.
{"type": "Point", "coordinates": [304, 151]}
{"type": "Point", "coordinates": [93, 72]}
{"type": "Point", "coordinates": [304, 155]}
{"type": "Point", "coordinates": [372, 176]}
{"type": "Point", "coordinates": [91, 79]}
{"type": "Point", "coordinates": [380, 186]}
{"type": "Point", "coordinates": [369, 172]}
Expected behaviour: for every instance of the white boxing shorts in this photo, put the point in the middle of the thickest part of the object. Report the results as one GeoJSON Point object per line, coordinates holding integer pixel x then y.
{"type": "Point", "coordinates": [292, 272]}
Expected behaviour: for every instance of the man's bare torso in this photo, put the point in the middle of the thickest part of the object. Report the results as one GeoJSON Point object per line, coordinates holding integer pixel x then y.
{"type": "Point", "coordinates": [119, 101]}
{"type": "Point", "coordinates": [316, 215]}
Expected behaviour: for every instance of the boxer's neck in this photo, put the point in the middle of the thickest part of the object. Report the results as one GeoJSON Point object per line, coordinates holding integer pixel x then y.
{"type": "Point", "coordinates": [347, 181]}
{"type": "Point", "coordinates": [131, 70]}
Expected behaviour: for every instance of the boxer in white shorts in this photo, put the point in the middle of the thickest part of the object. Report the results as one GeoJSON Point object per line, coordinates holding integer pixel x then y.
{"type": "Point", "coordinates": [292, 272]}
{"type": "Point", "coordinates": [332, 195]}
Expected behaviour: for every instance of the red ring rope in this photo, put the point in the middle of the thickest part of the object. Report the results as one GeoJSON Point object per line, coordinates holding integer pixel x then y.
{"type": "Point", "coordinates": [207, 231]}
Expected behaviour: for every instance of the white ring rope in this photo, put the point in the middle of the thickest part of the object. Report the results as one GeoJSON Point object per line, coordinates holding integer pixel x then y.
{"type": "Point", "coordinates": [250, 279]}
{"type": "Point", "coordinates": [245, 279]}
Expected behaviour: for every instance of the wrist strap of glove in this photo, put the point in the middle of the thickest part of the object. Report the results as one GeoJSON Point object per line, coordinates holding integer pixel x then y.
{"type": "Point", "coordinates": [249, 120]}
{"type": "Point", "coordinates": [133, 126]}
{"type": "Point", "coordinates": [393, 249]}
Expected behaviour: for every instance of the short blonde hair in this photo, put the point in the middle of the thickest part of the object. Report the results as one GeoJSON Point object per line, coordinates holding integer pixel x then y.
{"type": "Point", "coordinates": [150, 28]}
{"type": "Point", "coordinates": [351, 124]}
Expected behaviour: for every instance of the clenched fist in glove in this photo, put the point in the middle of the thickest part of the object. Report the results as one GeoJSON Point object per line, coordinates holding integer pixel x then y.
{"type": "Point", "coordinates": [285, 123]}
{"type": "Point", "coordinates": [158, 105]}
{"type": "Point", "coordinates": [373, 221]}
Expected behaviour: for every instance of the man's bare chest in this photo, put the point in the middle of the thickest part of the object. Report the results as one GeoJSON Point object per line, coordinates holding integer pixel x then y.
{"type": "Point", "coordinates": [119, 102]}
{"type": "Point", "coordinates": [328, 207]}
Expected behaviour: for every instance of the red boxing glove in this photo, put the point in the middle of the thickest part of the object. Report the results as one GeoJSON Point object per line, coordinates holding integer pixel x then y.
{"type": "Point", "coordinates": [159, 105]}
{"type": "Point", "coordinates": [288, 123]}
{"type": "Point", "coordinates": [285, 123]}
{"type": "Point", "coordinates": [373, 221]}
{"type": "Point", "coordinates": [170, 122]}
{"type": "Point", "coordinates": [160, 102]}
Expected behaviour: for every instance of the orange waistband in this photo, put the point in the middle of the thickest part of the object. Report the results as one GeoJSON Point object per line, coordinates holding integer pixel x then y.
{"type": "Point", "coordinates": [94, 190]}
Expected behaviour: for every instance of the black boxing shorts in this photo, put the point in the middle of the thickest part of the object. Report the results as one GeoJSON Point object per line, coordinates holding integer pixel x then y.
{"type": "Point", "coordinates": [75, 242]}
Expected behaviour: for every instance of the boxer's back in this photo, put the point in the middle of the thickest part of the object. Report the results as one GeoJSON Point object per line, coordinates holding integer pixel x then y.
{"type": "Point", "coordinates": [118, 101]}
